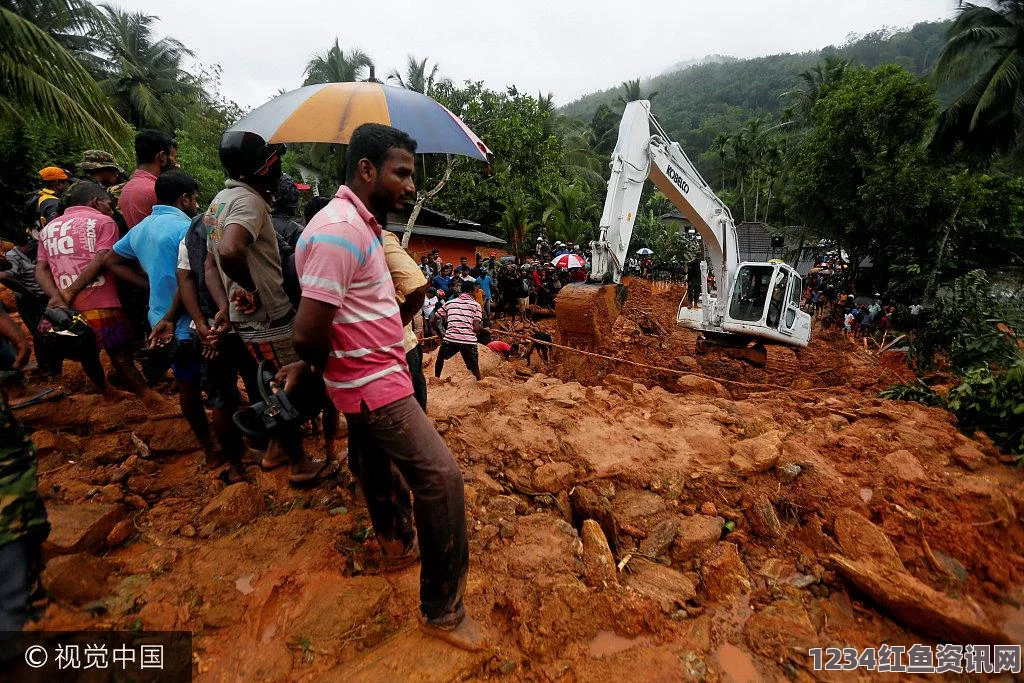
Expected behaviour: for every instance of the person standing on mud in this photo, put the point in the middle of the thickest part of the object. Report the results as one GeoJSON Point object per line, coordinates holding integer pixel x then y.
{"type": "Point", "coordinates": [23, 522]}
{"type": "Point", "coordinates": [243, 250]}
{"type": "Point", "coordinates": [463, 319]}
{"type": "Point", "coordinates": [349, 327]}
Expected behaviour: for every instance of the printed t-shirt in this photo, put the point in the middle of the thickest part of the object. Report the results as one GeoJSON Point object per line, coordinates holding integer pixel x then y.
{"type": "Point", "coordinates": [340, 261]}
{"type": "Point", "coordinates": [69, 242]}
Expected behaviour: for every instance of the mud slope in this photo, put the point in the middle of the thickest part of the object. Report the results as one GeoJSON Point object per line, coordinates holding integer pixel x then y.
{"type": "Point", "coordinates": [749, 526]}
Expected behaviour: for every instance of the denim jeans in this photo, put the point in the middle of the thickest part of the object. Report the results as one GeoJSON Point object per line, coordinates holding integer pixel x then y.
{"type": "Point", "coordinates": [397, 442]}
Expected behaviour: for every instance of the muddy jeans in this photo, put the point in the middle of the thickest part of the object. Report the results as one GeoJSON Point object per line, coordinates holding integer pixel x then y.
{"type": "Point", "coordinates": [396, 442]}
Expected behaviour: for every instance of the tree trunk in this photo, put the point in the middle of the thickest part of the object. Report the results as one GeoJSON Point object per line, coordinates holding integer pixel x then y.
{"type": "Point", "coordinates": [929, 288]}
{"type": "Point", "coordinates": [421, 202]}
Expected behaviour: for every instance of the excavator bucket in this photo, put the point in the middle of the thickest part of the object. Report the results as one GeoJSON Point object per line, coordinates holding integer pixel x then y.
{"type": "Point", "coordinates": [586, 312]}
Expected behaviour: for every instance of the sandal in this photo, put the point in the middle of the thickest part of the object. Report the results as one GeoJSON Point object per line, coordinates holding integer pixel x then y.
{"type": "Point", "coordinates": [327, 471]}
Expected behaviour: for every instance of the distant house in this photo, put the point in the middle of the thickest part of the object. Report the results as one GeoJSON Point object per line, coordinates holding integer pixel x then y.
{"type": "Point", "coordinates": [451, 237]}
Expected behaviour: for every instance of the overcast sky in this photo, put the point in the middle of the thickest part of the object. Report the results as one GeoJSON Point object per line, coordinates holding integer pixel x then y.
{"type": "Point", "coordinates": [567, 47]}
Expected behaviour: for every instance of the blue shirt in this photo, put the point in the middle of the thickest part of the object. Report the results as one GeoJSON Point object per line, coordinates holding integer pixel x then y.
{"type": "Point", "coordinates": [445, 283]}
{"type": "Point", "coordinates": [154, 244]}
{"type": "Point", "coordinates": [484, 282]}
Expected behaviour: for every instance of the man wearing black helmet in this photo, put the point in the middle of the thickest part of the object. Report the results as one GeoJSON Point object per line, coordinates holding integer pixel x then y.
{"type": "Point", "coordinates": [243, 250]}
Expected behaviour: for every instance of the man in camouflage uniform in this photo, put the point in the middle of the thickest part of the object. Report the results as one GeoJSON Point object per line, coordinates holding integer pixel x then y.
{"type": "Point", "coordinates": [23, 523]}
{"type": "Point", "coordinates": [101, 168]}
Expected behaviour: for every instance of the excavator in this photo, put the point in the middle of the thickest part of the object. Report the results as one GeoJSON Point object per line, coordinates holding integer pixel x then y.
{"type": "Point", "coordinates": [751, 303]}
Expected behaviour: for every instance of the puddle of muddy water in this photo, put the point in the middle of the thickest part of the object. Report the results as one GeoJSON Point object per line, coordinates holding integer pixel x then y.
{"type": "Point", "coordinates": [736, 665]}
{"type": "Point", "coordinates": [608, 643]}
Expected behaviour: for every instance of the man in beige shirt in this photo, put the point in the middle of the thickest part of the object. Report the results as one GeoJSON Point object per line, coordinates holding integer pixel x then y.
{"type": "Point", "coordinates": [410, 291]}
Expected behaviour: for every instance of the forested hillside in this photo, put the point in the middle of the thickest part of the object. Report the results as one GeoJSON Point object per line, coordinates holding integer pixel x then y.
{"type": "Point", "coordinates": [698, 102]}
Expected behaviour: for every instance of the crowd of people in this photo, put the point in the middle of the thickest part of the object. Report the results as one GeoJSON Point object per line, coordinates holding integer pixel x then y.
{"type": "Point", "coordinates": [320, 312]}
{"type": "Point", "coordinates": [858, 316]}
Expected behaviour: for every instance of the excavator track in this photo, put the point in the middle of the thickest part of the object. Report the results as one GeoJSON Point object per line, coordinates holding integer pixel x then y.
{"type": "Point", "coordinates": [586, 312]}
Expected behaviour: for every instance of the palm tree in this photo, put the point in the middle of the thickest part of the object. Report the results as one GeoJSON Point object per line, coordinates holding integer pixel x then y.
{"type": "Point", "coordinates": [985, 44]}
{"type": "Point", "coordinates": [417, 77]}
{"type": "Point", "coordinates": [142, 75]}
{"type": "Point", "coordinates": [569, 212]}
{"type": "Point", "coordinates": [338, 66]}
{"type": "Point", "coordinates": [517, 221]}
{"type": "Point", "coordinates": [631, 92]}
{"type": "Point", "coordinates": [812, 84]}
{"type": "Point", "coordinates": [577, 140]}
{"type": "Point", "coordinates": [721, 146]}
{"type": "Point", "coordinates": [40, 76]}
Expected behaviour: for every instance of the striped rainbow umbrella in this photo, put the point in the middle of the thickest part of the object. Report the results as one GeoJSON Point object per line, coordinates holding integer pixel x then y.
{"type": "Point", "coordinates": [329, 112]}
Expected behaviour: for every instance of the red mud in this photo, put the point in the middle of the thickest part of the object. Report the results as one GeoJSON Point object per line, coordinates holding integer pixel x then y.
{"type": "Point", "coordinates": [282, 585]}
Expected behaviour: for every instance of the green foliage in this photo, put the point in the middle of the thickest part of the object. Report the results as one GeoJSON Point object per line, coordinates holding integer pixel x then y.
{"type": "Point", "coordinates": [27, 145]}
{"type": "Point", "coordinates": [986, 45]}
{"type": "Point", "coordinates": [917, 391]}
{"type": "Point", "coordinates": [527, 157]}
{"type": "Point", "coordinates": [961, 324]}
{"type": "Point", "coordinates": [142, 75]}
{"type": "Point", "coordinates": [517, 222]}
{"type": "Point", "coordinates": [697, 103]}
{"type": "Point", "coordinates": [40, 77]}
{"type": "Point", "coordinates": [860, 170]}
{"type": "Point", "coordinates": [338, 66]}
{"type": "Point", "coordinates": [989, 399]}
{"type": "Point", "coordinates": [570, 213]}
{"type": "Point", "coordinates": [416, 76]}
{"type": "Point", "coordinates": [199, 134]}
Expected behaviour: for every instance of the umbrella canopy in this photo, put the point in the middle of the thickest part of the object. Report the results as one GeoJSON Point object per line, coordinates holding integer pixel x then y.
{"type": "Point", "coordinates": [568, 261]}
{"type": "Point", "coordinates": [645, 251]}
{"type": "Point", "coordinates": [330, 112]}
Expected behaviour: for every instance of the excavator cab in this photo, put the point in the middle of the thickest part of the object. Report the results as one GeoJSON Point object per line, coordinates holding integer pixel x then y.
{"type": "Point", "coordinates": [765, 303]}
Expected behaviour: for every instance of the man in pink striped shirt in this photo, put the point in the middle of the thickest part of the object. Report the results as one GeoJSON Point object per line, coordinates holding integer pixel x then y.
{"type": "Point", "coordinates": [462, 317]}
{"type": "Point", "coordinates": [349, 326]}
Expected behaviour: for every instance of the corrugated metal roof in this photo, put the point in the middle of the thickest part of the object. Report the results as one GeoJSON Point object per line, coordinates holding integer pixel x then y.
{"type": "Point", "coordinates": [448, 233]}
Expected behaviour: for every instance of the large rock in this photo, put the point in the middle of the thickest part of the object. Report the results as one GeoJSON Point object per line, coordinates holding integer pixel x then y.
{"type": "Point", "coordinates": [694, 535]}
{"type": "Point", "coordinates": [660, 539]}
{"type": "Point", "coordinates": [47, 442]}
{"type": "Point", "coordinates": [780, 629]}
{"type": "Point", "coordinates": [337, 607]}
{"type": "Point", "coordinates": [723, 573]}
{"type": "Point", "coordinates": [78, 578]}
{"type": "Point", "coordinates": [762, 516]}
{"type": "Point", "coordinates": [636, 507]}
{"type": "Point", "coordinates": [552, 477]}
{"type": "Point", "coordinates": [237, 504]}
{"type": "Point", "coordinates": [902, 465]}
{"type": "Point", "coordinates": [758, 454]}
{"type": "Point", "coordinates": [969, 456]}
{"type": "Point", "coordinates": [918, 606]}
{"type": "Point", "coordinates": [586, 504]}
{"type": "Point", "coordinates": [598, 563]}
{"type": "Point", "coordinates": [665, 585]}
{"type": "Point", "coordinates": [81, 528]}
{"type": "Point", "coordinates": [692, 384]}
{"type": "Point", "coordinates": [862, 540]}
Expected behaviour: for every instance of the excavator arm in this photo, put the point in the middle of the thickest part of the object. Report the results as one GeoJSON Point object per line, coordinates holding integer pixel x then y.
{"type": "Point", "coordinates": [639, 155]}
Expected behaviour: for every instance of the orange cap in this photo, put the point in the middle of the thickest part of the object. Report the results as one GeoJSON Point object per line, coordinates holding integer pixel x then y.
{"type": "Point", "coordinates": [51, 173]}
